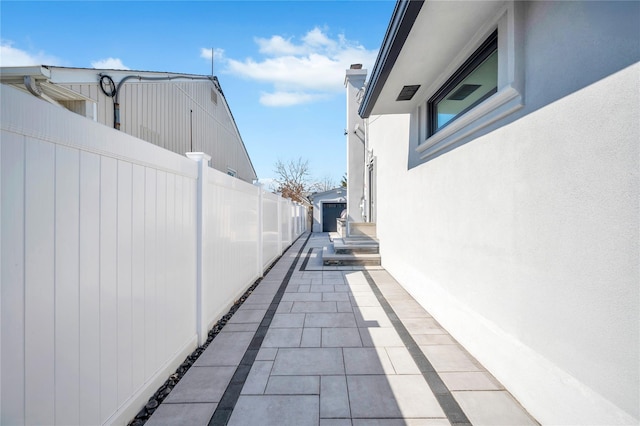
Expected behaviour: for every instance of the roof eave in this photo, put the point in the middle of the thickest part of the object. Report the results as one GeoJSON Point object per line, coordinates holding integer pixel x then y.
{"type": "Point", "coordinates": [404, 15]}
{"type": "Point", "coordinates": [17, 74]}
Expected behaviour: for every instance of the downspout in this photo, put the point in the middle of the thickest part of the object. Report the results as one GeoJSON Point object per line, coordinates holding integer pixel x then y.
{"type": "Point", "coordinates": [35, 90]}
{"type": "Point", "coordinates": [31, 86]}
{"type": "Point", "coordinates": [368, 157]}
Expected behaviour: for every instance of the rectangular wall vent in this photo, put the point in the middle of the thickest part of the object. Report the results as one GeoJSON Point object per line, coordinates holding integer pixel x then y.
{"type": "Point", "coordinates": [407, 92]}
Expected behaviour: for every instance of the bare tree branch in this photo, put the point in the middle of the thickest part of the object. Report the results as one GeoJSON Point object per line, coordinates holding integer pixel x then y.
{"type": "Point", "coordinates": [324, 184]}
{"type": "Point", "coordinates": [293, 179]}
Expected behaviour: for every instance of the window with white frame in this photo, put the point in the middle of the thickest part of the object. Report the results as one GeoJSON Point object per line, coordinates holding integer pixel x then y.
{"type": "Point", "coordinates": [485, 86]}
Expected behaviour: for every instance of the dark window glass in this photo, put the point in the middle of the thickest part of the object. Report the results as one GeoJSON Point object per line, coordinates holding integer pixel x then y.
{"type": "Point", "coordinates": [472, 83]}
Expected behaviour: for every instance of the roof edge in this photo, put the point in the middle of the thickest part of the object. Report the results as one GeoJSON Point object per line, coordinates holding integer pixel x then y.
{"type": "Point", "coordinates": [402, 20]}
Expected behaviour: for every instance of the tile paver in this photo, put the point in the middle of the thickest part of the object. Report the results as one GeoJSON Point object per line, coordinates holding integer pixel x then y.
{"type": "Point", "coordinates": [302, 297]}
{"type": "Point", "coordinates": [449, 358]}
{"type": "Point", "coordinates": [492, 408]}
{"type": "Point", "coordinates": [367, 361]}
{"type": "Point", "coordinates": [334, 397]}
{"type": "Point", "coordinates": [298, 385]}
{"type": "Point", "coordinates": [284, 307]}
{"type": "Point", "coordinates": [470, 381]}
{"type": "Point", "coordinates": [282, 338]}
{"type": "Point", "coordinates": [335, 422]}
{"type": "Point", "coordinates": [335, 297]}
{"type": "Point", "coordinates": [341, 338]}
{"type": "Point", "coordinates": [314, 307]}
{"type": "Point", "coordinates": [247, 315]}
{"type": "Point", "coordinates": [308, 361]}
{"type": "Point", "coordinates": [227, 349]}
{"type": "Point", "coordinates": [402, 361]}
{"type": "Point", "coordinates": [372, 316]}
{"type": "Point", "coordinates": [344, 306]}
{"type": "Point", "coordinates": [201, 384]}
{"type": "Point", "coordinates": [400, 422]}
{"type": "Point", "coordinates": [332, 355]}
{"type": "Point", "coordinates": [287, 320]}
{"type": "Point", "coordinates": [330, 320]}
{"type": "Point", "coordinates": [276, 410]}
{"type": "Point", "coordinates": [392, 396]}
{"type": "Point", "coordinates": [175, 414]}
{"type": "Point", "coordinates": [267, 354]}
{"type": "Point", "coordinates": [311, 337]}
{"type": "Point", "coordinates": [434, 339]}
{"type": "Point", "coordinates": [380, 337]}
{"type": "Point", "coordinates": [248, 326]}
{"type": "Point", "coordinates": [257, 379]}
{"type": "Point", "coordinates": [322, 288]}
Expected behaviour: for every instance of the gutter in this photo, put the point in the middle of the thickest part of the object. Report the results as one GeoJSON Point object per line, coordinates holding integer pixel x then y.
{"type": "Point", "coordinates": [402, 20]}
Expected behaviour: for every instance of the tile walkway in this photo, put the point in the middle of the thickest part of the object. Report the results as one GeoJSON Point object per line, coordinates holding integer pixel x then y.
{"type": "Point", "coordinates": [335, 346]}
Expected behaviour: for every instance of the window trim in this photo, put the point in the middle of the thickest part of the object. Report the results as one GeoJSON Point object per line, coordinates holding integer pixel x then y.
{"type": "Point", "coordinates": [485, 50]}
{"type": "Point", "coordinates": [508, 98]}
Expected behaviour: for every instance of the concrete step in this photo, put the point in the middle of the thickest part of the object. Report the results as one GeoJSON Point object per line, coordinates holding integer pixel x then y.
{"type": "Point", "coordinates": [355, 245]}
{"type": "Point", "coordinates": [331, 258]}
{"type": "Point", "coordinates": [362, 229]}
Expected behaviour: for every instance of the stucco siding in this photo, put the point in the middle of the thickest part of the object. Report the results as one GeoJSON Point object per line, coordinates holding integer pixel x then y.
{"type": "Point", "coordinates": [524, 242]}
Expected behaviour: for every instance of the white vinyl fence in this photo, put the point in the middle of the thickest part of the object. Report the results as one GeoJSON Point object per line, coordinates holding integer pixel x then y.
{"type": "Point", "coordinates": [117, 257]}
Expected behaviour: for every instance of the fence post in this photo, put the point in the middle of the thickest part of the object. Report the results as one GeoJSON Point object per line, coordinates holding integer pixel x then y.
{"type": "Point", "coordinates": [260, 231]}
{"type": "Point", "coordinates": [280, 224]}
{"type": "Point", "coordinates": [290, 220]}
{"type": "Point", "coordinates": [201, 196]}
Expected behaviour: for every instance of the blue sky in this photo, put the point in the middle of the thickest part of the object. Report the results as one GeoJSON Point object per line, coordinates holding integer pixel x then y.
{"type": "Point", "coordinates": [280, 63]}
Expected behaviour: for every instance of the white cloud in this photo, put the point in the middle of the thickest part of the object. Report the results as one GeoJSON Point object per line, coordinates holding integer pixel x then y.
{"type": "Point", "coordinates": [302, 71]}
{"type": "Point", "coordinates": [14, 57]}
{"type": "Point", "coordinates": [316, 37]}
{"type": "Point", "coordinates": [205, 53]}
{"type": "Point", "coordinates": [278, 45]}
{"type": "Point", "coordinates": [284, 99]}
{"type": "Point", "coordinates": [109, 64]}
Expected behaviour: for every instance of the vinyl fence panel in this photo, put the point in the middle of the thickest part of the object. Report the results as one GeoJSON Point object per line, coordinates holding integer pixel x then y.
{"type": "Point", "coordinates": [82, 311]}
{"type": "Point", "coordinates": [117, 256]}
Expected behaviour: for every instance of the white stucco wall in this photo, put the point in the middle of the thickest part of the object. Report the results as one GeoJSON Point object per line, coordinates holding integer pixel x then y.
{"type": "Point", "coordinates": [524, 243]}
{"type": "Point", "coordinates": [354, 81]}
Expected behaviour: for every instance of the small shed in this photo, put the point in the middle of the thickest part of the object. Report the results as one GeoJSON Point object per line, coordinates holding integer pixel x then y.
{"type": "Point", "coordinates": [327, 207]}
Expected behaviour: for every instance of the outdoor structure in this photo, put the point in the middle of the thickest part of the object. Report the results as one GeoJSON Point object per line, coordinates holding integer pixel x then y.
{"type": "Point", "coordinates": [505, 140]}
{"type": "Point", "coordinates": [117, 258]}
{"type": "Point", "coordinates": [327, 207]}
{"type": "Point", "coordinates": [354, 81]}
{"type": "Point", "coordinates": [178, 112]}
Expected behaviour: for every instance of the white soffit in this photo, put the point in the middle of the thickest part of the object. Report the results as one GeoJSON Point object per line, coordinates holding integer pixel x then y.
{"type": "Point", "coordinates": [54, 92]}
{"type": "Point", "coordinates": [40, 75]}
{"type": "Point", "coordinates": [60, 93]}
{"type": "Point", "coordinates": [441, 30]}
